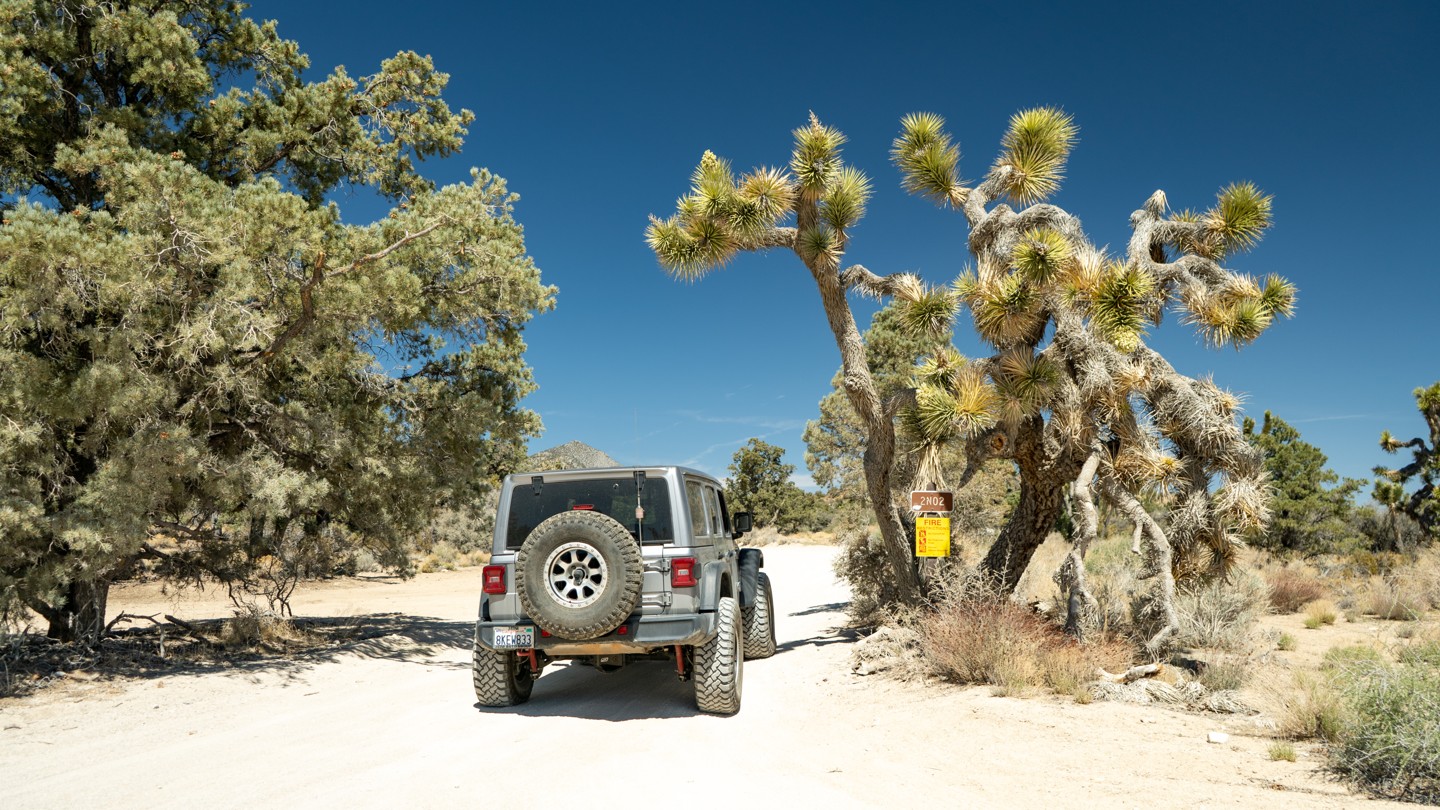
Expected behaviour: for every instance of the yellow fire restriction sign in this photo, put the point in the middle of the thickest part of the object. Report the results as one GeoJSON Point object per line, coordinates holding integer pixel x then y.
{"type": "Point", "coordinates": [932, 537]}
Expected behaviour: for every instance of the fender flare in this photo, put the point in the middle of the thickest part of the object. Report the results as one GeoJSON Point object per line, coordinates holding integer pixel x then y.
{"type": "Point", "coordinates": [751, 561]}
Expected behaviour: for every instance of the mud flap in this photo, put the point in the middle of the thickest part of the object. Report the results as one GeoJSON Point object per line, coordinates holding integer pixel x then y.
{"type": "Point", "coordinates": [751, 561]}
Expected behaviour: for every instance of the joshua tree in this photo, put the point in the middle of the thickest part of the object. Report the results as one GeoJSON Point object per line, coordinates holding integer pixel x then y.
{"type": "Point", "coordinates": [1422, 505]}
{"type": "Point", "coordinates": [723, 216]}
{"type": "Point", "coordinates": [1072, 395]}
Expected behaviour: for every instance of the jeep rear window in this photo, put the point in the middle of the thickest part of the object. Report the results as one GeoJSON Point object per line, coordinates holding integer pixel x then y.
{"type": "Point", "coordinates": [612, 496]}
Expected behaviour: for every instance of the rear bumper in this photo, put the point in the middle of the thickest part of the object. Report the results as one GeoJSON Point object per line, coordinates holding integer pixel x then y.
{"type": "Point", "coordinates": [638, 634]}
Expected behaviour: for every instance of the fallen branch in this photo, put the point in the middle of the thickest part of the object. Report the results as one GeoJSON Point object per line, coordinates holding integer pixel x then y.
{"type": "Point", "coordinates": [126, 617]}
{"type": "Point", "coordinates": [1132, 674]}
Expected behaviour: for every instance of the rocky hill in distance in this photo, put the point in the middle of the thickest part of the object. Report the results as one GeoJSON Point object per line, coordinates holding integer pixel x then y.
{"type": "Point", "coordinates": [568, 456]}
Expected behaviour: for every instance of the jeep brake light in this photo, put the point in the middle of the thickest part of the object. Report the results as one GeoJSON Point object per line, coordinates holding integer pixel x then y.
{"type": "Point", "coordinates": [682, 573]}
{"type": "Point", "coordinates": [494, 578]}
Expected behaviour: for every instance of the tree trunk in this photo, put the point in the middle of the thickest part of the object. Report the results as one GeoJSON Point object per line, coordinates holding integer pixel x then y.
{"type": "Point", "coordinates": [879, 429]}
{"type": "Point", "coordinates": [1033, 519]}
{"type": "Point", "coordinates": [1043, 478]}
{"type": "Point", "coordinates": [81, 615]}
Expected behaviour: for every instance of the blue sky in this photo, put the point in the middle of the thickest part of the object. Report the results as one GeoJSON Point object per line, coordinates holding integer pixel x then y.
{"type": "Point", "coordinates": [596, 113]}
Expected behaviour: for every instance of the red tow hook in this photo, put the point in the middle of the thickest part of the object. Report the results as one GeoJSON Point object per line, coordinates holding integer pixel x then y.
{"type": "Point", "coordinates": [534, 661]}
{"type": "Point", "coordinates": [680, 661]}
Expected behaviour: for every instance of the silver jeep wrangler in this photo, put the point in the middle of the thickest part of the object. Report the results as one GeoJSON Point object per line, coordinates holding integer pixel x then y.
{"type": "Point", "coordinates": [607, 566]}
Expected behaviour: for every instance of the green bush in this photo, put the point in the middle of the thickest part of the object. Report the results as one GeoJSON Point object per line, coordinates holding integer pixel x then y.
{"type": "Point", "coordinates": [1390, 744]}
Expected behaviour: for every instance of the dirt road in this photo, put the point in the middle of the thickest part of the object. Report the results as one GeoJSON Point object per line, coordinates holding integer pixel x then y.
{"type": "Point", "coordinates": [392, 722]}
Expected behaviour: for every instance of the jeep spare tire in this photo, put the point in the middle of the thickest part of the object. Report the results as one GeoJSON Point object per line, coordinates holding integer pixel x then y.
{"type": "Point", "coordinates": [579, 574]}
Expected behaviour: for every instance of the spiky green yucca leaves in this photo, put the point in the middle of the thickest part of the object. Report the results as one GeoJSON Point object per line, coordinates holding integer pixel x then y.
{"type": "Point", "coordinates": [816, 158]}
{"type": "Point", "coordinates": [1240, 217]}
{"type": "Point", "coordinates": [719, 217]}
{"type": "Point", "coordinates": [925, 310]}
{"type": "Point", "coordinates": [927, 159]}
{"type": "Point", "coordinates": [844, 202]}
{"type": "Point", "coordinates": [1041, 254]}
{"type": "Point", "coordinates": [1035, 149]}
{"type": "Point", "coordinates": [1122, 304]}
{"type": "Point", "coordinates": [1240, 311]}
{"type": "Point", "coordinates": [938, 370]}
{"type": "Point", "coordinates": [1006, 307]}
{"type": "Point", "coordinates": [1024, 383]}
{"type": "Point", "coordinates": [965, 407]}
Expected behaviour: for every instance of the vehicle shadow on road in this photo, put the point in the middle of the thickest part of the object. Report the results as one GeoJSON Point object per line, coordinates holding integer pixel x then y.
{"type": "Point", "coordinates": [643, 690]}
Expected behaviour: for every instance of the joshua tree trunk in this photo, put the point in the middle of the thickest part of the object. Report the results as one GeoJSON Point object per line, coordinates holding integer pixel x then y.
{"type": "Point", "coordinates": [1043, 479]}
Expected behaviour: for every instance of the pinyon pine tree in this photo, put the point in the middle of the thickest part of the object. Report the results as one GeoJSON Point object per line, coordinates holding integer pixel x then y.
{"type": "Point", "coordinates": [201, 363]}
{"type": "Point", "coordinates": [1422, 505]}
{"type": "Point", "coordinates": [1072, 395]}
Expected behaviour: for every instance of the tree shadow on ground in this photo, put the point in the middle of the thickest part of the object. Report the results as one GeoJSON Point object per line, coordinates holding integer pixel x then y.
{"type": "Point", "coordinates": [30, 663]}
{"type": "Point", "coordinates": [832, 607]}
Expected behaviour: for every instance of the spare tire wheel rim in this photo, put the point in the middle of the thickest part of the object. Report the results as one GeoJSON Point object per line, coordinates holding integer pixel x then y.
{"type": "Point", "coordinates": [577, 574]}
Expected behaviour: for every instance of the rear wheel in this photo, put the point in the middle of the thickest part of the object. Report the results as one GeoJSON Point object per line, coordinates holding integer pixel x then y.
{"type": "Point", "coordinates": [760, 621]}
{"type": "Point", "coordinates": [719, 663]}
{"type": "Point", "coordinates": [501, 678]}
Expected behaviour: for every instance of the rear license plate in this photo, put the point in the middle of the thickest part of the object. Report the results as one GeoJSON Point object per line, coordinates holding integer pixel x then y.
{"type": "Point", "coordinates": [514, 638]}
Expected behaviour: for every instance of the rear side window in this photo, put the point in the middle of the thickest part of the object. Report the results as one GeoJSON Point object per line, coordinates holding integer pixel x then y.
{"type": "Point", "coordinates": [696, 498]}
{"type": "Point", "coordinates": [615, 497]}
{"type": "Point", "coordinates": [712, 505]}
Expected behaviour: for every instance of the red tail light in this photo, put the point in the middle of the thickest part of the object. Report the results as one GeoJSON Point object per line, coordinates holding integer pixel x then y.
{"type": "Point", "coordinates": [682, 573]}
{"type": "Point", "coordinates": [494, 578]}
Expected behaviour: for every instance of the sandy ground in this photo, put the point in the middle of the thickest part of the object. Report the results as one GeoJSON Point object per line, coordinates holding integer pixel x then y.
{"type": "Point", "coordinates": [393, 722]}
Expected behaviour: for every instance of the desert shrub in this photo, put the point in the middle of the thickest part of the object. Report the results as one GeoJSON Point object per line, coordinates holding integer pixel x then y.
{"type": "Point", "coordinates": [443, 556]}
{"type": "Point", "coordinates": [1396, 599]}
{"type": "Point", "coordinates": [1111, 570]}
{"type": "Point", "coordinates": [1425, 573]}
{"type": "Point", "coordinates": [1313, 708]}
{"type": "Point", "coordinates": [1291, 588]}
{"type": "Point", "coordinates": [1423, 649]}
{"type": "Point", "coordinates": [1319, 613]}
{"type": "Point", "coordinates": [1226, 673]}
{"type": "Point", "coordinates": [1376, 563]}
{"type": "Point", "coordinates": [981, 637]}
{"type": "Point", "coordinates": [1390, 742]}
{"type": "Point", "coordinates": [1338, 660]}
{"type": "Point", "coordinates": [1220, 614]}
{"type": "Point", "coordinates": [763, 536]}
{"type": "Point", "coordinates": [1282, 751]}
{"type": "Point", "coordinates": [251, 628]}
{"type": "Point", "coordinates": [862, 563]}
{"type": "Point", "coordinates": [1286, 642]}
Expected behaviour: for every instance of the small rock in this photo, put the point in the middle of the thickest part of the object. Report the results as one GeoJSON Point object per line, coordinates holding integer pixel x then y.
{"type": "Point", "coordinates": [1217, 737]}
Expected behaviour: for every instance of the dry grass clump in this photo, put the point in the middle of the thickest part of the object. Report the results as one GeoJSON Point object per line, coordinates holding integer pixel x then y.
{"type": "Point", "coordinates": [1282, 751]}
{"type": "Point", "coordinates": [1292, 588]}
{"type": "Point", "coordinates": [1319, 613]}
{"type": "Point", "coordinates": [981, 638]}
{"type": "Point", "coordinates": [1311, 708]}
{"type": "Point", "coordinates": [1220, 615]}
{"type": "Point", "coordinates": [252, 628]}
{"type": "Point", "coordinates": [1394, 598]}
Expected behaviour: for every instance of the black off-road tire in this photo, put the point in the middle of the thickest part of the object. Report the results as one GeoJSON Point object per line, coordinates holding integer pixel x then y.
{"type": "Point", "coordinates": [719, 663]}
{"type": "Point", "coordinates": [760, 621]}
{"type": "Point", "coordinates": [579, 574]}
{"type": "Point", "coordinates": [501, 678]}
